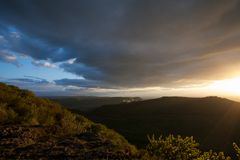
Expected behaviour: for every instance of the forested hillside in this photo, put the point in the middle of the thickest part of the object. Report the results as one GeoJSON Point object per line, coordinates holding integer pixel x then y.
{"type": "Point", "coordinates": [213, 121]}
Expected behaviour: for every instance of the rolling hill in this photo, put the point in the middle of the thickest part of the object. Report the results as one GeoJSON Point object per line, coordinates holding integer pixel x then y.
{"type": "Point", "coordinates": [213, 121]}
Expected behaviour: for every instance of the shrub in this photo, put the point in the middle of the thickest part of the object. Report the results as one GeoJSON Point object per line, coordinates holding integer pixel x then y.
{"type": "Point", "coordinates": [7, 115]}
{"type": "Point", "coordinates": [213, 156]}
{"type": "Point", "coordinates": [237, 150]}
{"type": "Point", "coordinates": [173, 148]}
{"type": "Point", "coordinates": [179, 148]}
{"type": "Point", "coordinates": [3, 114]}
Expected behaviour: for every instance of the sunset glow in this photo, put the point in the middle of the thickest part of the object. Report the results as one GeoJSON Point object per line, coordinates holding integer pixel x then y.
{"type": "Point", "coordinates": [227, 86]}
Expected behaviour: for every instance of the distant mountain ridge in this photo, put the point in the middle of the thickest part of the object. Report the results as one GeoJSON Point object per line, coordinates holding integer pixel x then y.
{"type": "Point", "coordinates": [214, 121]}
{"type": "Point", "coordinates": [88, 103]}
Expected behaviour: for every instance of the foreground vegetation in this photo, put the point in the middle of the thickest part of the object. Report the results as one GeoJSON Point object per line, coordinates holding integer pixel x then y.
{"type": "Point", "coordinates": [34, 120]}
{"type": "Point", "coordinates": [33, 127]}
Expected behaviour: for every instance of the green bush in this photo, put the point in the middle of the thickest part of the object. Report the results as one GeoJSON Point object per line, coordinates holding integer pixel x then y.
{"type": "Point", "coordinates": [179, 148]}
{"type": "Point", "coordinates": [213, 156]}
{"type": "Point", "coordinates": [22, 107]}
{"type": "Point", "coordinates": [7, 115]}
{"type": "Point", "coordinates": [173, 148]}
{"type": "Point", "coordinates": [237, 150]}
{"type": "Point", "coordinates": [3, 114]}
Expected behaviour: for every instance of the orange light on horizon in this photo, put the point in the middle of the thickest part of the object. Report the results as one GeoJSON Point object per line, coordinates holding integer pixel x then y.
{"type": "Point", "coordinates": [227, 86]}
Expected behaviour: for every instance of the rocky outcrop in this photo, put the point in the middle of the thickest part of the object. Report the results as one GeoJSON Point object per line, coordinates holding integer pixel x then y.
{"type": "Point", "coordinates": [49, 142]}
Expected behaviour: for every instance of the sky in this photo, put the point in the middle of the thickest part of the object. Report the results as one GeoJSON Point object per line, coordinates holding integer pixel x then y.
{"type": "Point", "coordinates": [146, 48]}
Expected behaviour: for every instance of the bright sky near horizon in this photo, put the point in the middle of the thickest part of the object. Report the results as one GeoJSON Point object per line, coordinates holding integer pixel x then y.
{"type": "Point", "coordinates": [144, 48]}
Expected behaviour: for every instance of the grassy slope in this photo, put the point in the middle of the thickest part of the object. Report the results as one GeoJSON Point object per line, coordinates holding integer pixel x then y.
{"type": "Point", "coordinates": [213, 121]}
{"type": "Point", "coordinates": [32, 126]}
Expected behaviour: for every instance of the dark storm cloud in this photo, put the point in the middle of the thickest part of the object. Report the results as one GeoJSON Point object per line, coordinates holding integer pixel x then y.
{"type": "Point", "coordinates": [128, 43]}
{"type": "Point", "coordinates": [79, 83]}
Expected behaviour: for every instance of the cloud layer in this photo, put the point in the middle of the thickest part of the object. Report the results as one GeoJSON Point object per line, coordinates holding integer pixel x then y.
{"type": "Point", "coordinates": [126, 43]}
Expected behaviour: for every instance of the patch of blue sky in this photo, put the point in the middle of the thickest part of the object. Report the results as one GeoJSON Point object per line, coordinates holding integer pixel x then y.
{"type": "Point", "coordinates": [23, 65]}
{"type": "Point", "coordinates": [26, 68]}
